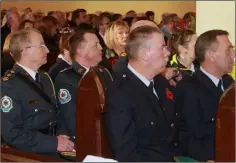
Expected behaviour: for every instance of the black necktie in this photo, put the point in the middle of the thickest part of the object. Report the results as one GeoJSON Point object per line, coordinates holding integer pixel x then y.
{"type": "Point", "coordinates": [151, 87]}
{"type": "Point", "coordinates": [38, 80]}
{"type": "Point", "coordinates": [219, 86]}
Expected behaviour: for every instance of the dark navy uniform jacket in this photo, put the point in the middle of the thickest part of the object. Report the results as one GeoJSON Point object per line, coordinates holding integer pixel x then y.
{"type": "Point", "coordinates": [26, 114]}
{"type": "Point", "coordinates": [139, 126]}
{"type": "Point", "coordinates": [57, 67]}
{"type": "Point", "coordinates": [197, 101]}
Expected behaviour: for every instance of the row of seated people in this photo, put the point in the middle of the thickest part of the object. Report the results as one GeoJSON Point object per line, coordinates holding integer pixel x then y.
{"type": "Point", "coordinates": [149, 117]}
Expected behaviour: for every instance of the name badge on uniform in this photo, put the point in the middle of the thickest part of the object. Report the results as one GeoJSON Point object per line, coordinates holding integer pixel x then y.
{"type": "Point", "coordinates": [33, 101]}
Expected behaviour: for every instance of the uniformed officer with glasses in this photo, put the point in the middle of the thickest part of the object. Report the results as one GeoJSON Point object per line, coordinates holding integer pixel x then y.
{"type": "Point", "coordinates": [28, 106]}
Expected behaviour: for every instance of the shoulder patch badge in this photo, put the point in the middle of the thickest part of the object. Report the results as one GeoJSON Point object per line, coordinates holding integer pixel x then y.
{"type": "Point", "coordinates": [5, 78]}
{"type": "Point", "coordinates": [64, 96]}
{"type": "Point", "coordinates": [6, 104]}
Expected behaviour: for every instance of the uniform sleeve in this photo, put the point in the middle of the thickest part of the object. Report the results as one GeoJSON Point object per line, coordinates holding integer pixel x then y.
{"type": "Point", "coordinates": [120, 128]}
{"type": "Point", "coordinates": [13, 128]}
{"type": "Point", "coordinates": [66, 95]}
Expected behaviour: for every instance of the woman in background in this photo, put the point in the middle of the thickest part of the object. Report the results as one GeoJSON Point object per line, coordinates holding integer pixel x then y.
{"type": "Point", "coordinates": [26, 24]}
{"type": "Point", "coordinates": [115, 39]}
{"type": "Point", "coordinates": [184, 60]}
{"type": "Point", "coordinates": [64, 60]}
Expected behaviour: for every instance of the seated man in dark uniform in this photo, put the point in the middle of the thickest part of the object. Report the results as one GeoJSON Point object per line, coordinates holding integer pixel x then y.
{"type": "Point", "coordinates": [140, 118]}
{"type": "Point", "coordinates": [198, 95]}
{"type": "Point", "coordinates": [28, 104]}
{"type": "Point", "coordinates": [85, 52]}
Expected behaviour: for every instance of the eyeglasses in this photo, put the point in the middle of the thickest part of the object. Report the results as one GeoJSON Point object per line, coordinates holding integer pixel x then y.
{"type": "Point", "coordinates": [43, 46]}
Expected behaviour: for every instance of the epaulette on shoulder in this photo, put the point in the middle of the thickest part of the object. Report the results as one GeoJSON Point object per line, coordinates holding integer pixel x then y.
{"type": "Point", "coordinates": [100, 68]}
{"type": "Point", "coordinates": [103, 70]}
{"type": "Point", "coordinates": [8, 75]}
{"type": "Point", "coordinates": [65, 69]}
{"type": "Point", "coordinates": [121, 79]}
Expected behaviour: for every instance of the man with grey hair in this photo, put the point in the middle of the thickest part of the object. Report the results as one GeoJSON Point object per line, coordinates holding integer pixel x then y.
{"type": "Point", "coordinates": [140, 118]}
{"type": "Point", "coordinates": [28, 104]}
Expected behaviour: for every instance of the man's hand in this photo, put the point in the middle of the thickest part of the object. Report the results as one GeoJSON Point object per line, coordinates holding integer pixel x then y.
{"type": "Point", "coordinates": [64, 144]}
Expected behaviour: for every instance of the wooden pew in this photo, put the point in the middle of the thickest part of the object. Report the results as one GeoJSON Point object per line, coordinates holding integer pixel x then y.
{"type": "Point", "coordinates": [90, 132]}
{"type": "Point", "coordinates": [14, 155]}
{"type": "Point", "coordinates": [225, 127]}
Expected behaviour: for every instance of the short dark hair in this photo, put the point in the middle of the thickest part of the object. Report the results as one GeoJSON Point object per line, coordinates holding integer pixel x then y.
{"type": "Point", "coordinates": [22, 24]}
{"type": "Point", "coordinates": [149, 13]}
{"type": "Point", "coordinates": [168, 19]}
{"type": "Point", "coordinates": [104, 15]}
{"type": "Point", "coordinates": [50, 13]}
{"type": "Point", "coordinates": [115, 17]}
{"type": "Point", "coordinates": [77, 39]}
{"type": "Point", "coordinates": [206, 41]}
{"type": "Point", "coordinates": [75, 15]}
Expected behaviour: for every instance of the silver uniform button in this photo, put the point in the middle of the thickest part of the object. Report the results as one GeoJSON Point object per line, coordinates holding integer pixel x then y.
{"type": "Point", "coordinates": [212, 119]}
{"type": "Point", "coordinates": [176, 144]}
{"type": "Point", "coordinates": [172, 125]}
{"type": "Point", "coordinates": [152, 123]}
{"type": "Point", "coordinates": [73, 137]}
{"type": "Point", "coordinates": [36, 110]}
{"type": "Point", "coordinates": [124, 75]}
{"type": "Point", "coordinates": [176, 113]}
{"type": "Point", "coordinates": [164, 108]}
{"type": "Point", "coordinates": [50, 123]}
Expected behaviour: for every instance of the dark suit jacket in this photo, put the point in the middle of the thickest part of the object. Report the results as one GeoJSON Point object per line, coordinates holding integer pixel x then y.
{"type": "Point", "coordinates": [28, 114]}
{"type": "Point", "coordinates": [197, 101]}
{"type": "Point", "coordinates": [139, 126]}
{"type": "Point", "coordinates": [57, 67]}
{"type": "Point", "coordinates": [5, 30]}
{"type": "Point", "coordinates": [7, 63]}
{"type": "Point", "coordinates": [121, 63]}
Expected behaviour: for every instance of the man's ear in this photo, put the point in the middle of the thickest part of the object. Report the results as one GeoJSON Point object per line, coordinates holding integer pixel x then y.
{"type": "Point", "coordinates": [25, 53]}
{"type": "Point", "coordinates": [81, 51]}
{"type": "Point", "coordinates": [144, 53]}
{"type": "Point", "coordinates": [210, 54]}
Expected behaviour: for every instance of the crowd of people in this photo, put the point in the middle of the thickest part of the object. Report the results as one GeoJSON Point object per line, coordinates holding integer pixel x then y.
{"type": "Point", "coordinates": [163, 82]}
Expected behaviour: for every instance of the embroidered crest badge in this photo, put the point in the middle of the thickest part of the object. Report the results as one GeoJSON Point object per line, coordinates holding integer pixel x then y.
{"type": "Point", "coordinates": [64, 96]}
{"type": "Point", "coordinates": [6, 104]}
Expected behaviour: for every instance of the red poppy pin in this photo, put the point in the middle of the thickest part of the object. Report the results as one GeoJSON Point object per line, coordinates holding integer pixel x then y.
{"type": "Point", "coordinates": [113, 61]}
{"type": "Point", "coordinates": [169, 94]}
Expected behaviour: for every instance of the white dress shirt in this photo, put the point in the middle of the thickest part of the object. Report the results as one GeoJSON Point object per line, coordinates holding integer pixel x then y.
{"type": "Point", "coordinates": [214, 79]}
{"type": "Point", "coordinates": [142, 78]}
{"type": "Point", "coordinates": [30, 72]}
